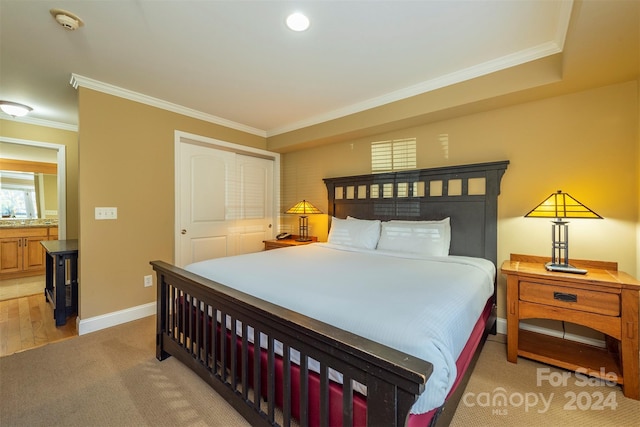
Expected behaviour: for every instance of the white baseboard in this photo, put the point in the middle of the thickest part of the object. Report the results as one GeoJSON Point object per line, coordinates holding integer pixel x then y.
{"type": "Point", "coordinates": [502, 329]}
{"type": "Point", "coordinates": [108, 320]}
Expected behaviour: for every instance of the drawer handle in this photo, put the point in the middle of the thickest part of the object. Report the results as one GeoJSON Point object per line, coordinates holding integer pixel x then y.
{"type": "Point", "coordinates": [561, 296]}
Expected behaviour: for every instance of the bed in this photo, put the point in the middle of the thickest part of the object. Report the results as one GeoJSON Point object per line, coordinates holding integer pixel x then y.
{"type": "Point", "coordinates": [318, 366]}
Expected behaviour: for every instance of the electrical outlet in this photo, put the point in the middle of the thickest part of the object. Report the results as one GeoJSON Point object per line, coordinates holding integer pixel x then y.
{"type": "Point", "coordinates": [148, 281]}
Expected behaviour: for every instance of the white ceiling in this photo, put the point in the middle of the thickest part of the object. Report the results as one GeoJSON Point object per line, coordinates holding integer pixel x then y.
{"type": "Point", "coordinates": [236, 62]}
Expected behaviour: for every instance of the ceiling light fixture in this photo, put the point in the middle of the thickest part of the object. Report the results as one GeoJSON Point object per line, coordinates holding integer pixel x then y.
{"type": "Point", "coordinates": [297, 22]}
{"type": "Point", "coordinates": [14, 109]}
{"type": "Point", "coordinates": [68, 20]}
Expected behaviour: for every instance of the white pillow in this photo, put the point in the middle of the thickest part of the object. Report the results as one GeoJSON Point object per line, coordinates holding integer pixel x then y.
{"type": "Point", "coordinates": [357, 233]}
{"type": "Point", "coordinates": [426, 238]}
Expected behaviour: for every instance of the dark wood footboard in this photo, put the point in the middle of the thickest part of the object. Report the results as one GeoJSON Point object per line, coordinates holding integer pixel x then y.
{"type": "Point", "coordinates": [222, 356]}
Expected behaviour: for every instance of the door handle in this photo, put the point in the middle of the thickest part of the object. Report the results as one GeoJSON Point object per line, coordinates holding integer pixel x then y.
{"type": "Point", "coordinates": [183, 231]}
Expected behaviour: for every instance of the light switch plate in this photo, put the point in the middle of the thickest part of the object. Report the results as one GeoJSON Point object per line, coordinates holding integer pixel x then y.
{"type": "Point", "coordinates": [106, 213]}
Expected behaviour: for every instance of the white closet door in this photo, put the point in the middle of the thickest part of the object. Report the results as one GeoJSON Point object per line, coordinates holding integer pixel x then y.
{"type": "Point", "coordinates": [254, 216]}
{"type": "Point", "coordinates": [226, 203]}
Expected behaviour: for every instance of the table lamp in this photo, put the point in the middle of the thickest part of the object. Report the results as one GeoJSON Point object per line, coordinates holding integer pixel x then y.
{"type": "Point", "coordinates": [561, 205]}
{"type": "Point", "coordinates": [303, 209]}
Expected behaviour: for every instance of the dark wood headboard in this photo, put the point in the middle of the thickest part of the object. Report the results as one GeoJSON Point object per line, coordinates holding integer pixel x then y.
{"type": "Point", "coordinates": [468, 194]}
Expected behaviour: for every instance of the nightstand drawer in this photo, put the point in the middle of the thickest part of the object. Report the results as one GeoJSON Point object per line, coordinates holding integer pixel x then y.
{"type": "Point", "coordinates": [575, 299]}
{"type": "Point", "coordinates": [283, 243]}
{"type": "Point", "coordinates": [268, 244]}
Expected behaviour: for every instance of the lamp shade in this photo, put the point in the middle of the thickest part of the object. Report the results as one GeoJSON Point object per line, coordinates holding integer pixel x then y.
{"type": "Point", "coordinates": [303, 208]}
{"type": "Point", "coordinates": [561, 205]}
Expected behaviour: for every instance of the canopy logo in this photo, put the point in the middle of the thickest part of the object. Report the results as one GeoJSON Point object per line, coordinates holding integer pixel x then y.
{"type": "Point", "coordinates": [500, 400]}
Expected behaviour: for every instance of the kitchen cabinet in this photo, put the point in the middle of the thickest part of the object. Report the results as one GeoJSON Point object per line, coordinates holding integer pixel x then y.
{"type": "Point", "coordinates": [21, 254]}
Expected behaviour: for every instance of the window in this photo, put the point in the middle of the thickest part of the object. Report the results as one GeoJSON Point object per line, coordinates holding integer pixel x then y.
{"type": "Point", "coordinates": [388, 156]}
{"type": "Point", "coordinates": [18, 191]}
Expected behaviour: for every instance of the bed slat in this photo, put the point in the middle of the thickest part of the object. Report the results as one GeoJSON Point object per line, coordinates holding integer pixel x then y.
{"type": "Point", "coordinates": [286, 379]}
{"type": "Point", "coordinates": [304, 390]}
{"type": "Point", "coordinates": [324, 395]}
{"type": "Point", "coordinates": [271, 378]}
{"type": "Point", "coordinates": [347, 401]}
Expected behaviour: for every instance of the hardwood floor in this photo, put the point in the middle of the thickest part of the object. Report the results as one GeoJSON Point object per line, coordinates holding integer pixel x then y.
{"type": "Point", "coordinates": [20, 287]}
{"type": "Point", "coordinates": [27, 322]}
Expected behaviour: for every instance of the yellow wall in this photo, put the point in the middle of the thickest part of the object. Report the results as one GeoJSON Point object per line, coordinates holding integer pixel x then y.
{"type": "Point", "coordinates": [127, 161]}
{"type": "Point", "coordinates": [638, 181]}
{"type": "Point", "coordinates": [50, 195]}
{"type": "Point", "coordinates": [17, 130]}
{"type": "Point", "coordinates": [584, 143]}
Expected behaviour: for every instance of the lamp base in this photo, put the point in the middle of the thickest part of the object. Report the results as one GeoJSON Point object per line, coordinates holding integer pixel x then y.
{"type": "Point", "coordinates": [304, 239]}
{"type": "Point", "coordinates": [564, 268]}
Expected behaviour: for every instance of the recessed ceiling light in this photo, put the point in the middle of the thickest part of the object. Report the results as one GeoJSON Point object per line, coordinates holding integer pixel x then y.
{"type": "Point", "coordinates": [297, 22]}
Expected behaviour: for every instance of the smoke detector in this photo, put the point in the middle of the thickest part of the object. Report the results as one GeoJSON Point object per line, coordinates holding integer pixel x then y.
{"type": "Point", "coordinates": [68, 20]}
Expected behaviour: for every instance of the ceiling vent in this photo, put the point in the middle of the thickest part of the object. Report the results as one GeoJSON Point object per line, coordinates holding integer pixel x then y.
{"type": "Point", "coordinates": [68, 20]}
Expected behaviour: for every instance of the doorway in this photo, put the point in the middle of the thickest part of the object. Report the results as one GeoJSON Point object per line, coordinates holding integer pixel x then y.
{"type": "Point", "coordinates": [39, 152]}
{"type": "Point", "coordinates": [29, 322]}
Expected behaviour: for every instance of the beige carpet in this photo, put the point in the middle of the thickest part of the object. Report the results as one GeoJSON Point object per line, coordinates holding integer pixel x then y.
{"type": "Point", "coordinates": [538, 395]}
{"type": "Point", "coordinates": [107, 378]}
{"type": "Point", "coordinates": [111, 378]}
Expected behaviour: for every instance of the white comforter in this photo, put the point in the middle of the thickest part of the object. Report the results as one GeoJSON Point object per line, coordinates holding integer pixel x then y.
{"type": "Point", "coordinates": [424, 307]}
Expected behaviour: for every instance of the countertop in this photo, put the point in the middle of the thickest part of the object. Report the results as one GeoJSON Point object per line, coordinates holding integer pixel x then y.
{"type": "Point", "coordinates": [27, 223]}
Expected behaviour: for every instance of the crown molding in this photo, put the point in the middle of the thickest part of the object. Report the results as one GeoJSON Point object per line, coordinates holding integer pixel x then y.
{"type": "Point", "coordinates": [40, 122]}
{"type": "Point", "coordinates": [518, 58]}
{"type": "Point", "coordinates": [86, 82]}
{"type": "Point", "coordinates": [564, 17]}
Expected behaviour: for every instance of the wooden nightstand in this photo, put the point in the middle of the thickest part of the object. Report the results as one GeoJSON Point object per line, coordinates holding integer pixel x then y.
{"type": "Point", "coordinates": [275, 244]}
{"type": "Point", "coordinates": [604, 299]}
